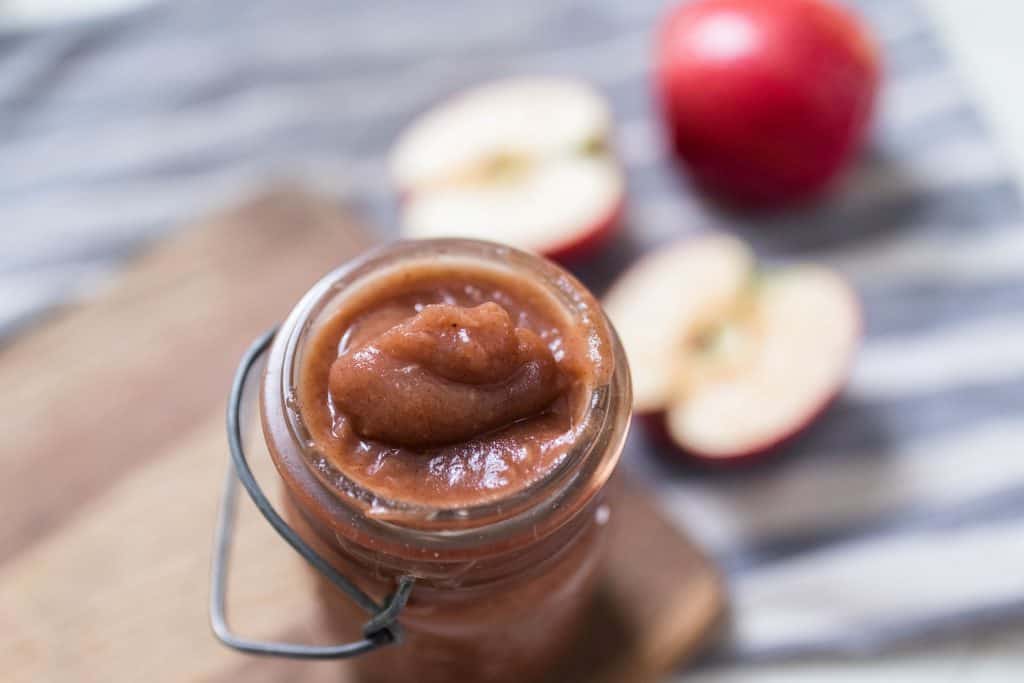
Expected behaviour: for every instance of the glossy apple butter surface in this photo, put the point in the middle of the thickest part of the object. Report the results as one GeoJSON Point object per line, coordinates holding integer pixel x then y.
{"type": "Point", "coordinates": [446, 385]}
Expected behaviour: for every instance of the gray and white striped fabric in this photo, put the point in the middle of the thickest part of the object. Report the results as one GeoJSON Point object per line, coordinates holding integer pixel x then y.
{"type": "Point", "coordinates": [900, 516]}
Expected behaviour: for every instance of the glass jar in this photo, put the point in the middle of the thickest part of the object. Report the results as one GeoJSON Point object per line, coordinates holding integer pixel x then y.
{"type": "Point", "coordinates": [500, 587]}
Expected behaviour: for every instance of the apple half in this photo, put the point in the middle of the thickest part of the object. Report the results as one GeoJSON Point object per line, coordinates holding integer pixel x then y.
{"type": "Point", "coordinates": [525, 161]}
{"type": "Point", "coordinates": [729, 360]}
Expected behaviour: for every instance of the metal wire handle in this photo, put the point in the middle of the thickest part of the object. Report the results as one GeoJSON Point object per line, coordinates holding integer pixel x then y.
{"type": "Point", "coordinates": [381, 629]}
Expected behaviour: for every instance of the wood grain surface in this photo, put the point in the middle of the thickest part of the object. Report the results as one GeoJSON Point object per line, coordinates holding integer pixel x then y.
{"type": "Point", "coordinates": [113, 473]}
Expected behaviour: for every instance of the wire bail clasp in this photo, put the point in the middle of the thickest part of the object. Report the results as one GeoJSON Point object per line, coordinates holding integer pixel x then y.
{"type": "Point", "coordinates": [381, 629]}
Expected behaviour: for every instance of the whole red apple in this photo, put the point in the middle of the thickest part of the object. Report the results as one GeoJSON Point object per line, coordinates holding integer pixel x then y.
{"type": "Point", "coordinates": [765, 100]}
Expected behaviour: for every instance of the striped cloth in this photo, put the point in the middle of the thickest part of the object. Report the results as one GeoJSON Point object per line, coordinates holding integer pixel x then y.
{"type": "Point", "coordinates": [900, 517]}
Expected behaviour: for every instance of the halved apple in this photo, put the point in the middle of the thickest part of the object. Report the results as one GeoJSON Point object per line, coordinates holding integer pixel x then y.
{"type": "Point", "coordinates": [525, 161]}
{"type": "Point", "coordinates": [730, 360]}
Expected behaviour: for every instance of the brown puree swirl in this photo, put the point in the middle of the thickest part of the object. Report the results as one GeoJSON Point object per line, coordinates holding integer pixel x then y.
{"type": "Point", "coordinates": [445, 375]}
{"type": "Point", "coordinates": [446, 385]}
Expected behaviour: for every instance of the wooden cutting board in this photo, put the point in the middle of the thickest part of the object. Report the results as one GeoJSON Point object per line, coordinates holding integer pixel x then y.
{"type": "Point", "coordinates": [113, 461]}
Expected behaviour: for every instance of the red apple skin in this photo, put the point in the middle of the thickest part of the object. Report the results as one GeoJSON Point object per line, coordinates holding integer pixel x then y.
{"type": "Point", "coordinates": [585, 244]}
{"type": "Point", "coordinates": [590, 242]}
{"type": "Point", "coordinates": [658, 429]}
{"type": "Point", "coordinates": [765, 101]}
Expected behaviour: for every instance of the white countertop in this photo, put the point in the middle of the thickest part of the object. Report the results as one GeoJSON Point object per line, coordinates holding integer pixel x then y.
{"type": "Point", "coordinates": [984, 38]}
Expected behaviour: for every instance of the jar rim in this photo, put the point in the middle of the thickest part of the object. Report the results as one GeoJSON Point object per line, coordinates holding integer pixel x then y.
{"type": "Point", "coordinates": [584, 470]}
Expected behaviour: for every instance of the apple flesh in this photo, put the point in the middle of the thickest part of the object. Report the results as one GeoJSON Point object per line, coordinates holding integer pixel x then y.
{"type": "Point", "coordinates": [525, 161]}
{"type": "Point", "coordinates": [765, 102]}
{"type": "Point", "coordinates": [728, 360]}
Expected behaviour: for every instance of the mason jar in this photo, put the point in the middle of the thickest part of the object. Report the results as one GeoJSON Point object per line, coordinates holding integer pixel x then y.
{"type": "Point", "coordinates": [500, 588]}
